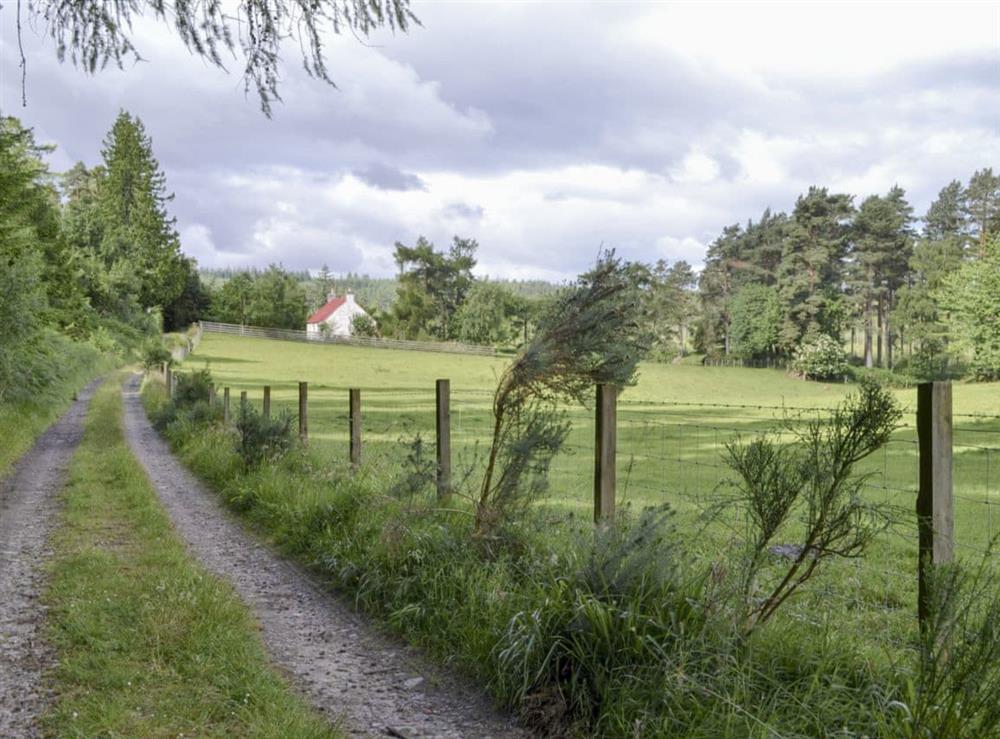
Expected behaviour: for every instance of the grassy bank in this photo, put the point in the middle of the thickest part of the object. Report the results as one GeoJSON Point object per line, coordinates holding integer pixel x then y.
{"type": "Point", "coordinates": [622, 634]}
{"type": "Point", "coordinates": [149, 644]}
{"type": "Point", "coordinates": [22, 421]}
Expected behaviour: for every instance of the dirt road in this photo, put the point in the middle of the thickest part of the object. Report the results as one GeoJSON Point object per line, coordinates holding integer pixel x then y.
{"type": "Point", "coordinates": [373, 683]}
{"type": "Point", "coordinates": [29, 506]}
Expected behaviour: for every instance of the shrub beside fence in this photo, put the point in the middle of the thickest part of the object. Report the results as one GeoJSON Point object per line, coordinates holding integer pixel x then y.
{"type": "Point", "coordinates": [293, 335]}
{"type": "Point", "coordinates": [652, 448]}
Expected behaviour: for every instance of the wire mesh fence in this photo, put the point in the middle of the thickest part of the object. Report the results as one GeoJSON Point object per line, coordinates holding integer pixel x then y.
{"type": "Point", "coordinates": [675, 453]}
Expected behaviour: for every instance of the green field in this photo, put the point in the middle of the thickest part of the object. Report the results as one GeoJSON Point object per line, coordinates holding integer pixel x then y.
{"type": "Point", "coordinates": [672, 429]}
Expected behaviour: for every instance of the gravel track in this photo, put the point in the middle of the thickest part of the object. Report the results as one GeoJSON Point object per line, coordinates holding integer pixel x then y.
{"type": "Point", "coordinates": [369, 681]}
{"type": "Point", "coordinates": [29, 507]}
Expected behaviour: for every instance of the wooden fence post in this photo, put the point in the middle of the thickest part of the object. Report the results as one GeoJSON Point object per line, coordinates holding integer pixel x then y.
{"type": "Point", "coordinates": [354, 417]}
{"type": "Point", "coordinates": [225, 405]}
{"type": "Point", "coordinates": [211, 395]}
{"type": "Point", "coordinates": [443, 428]}
{"type": "Point", "coordinates": [243, 404]}
{"type": "Point", "coordinates": [604, 452]}
{"type": "Point", "coordinates": [267, 401]}
{"type": "Point", "coordinates": [935, 504]}
{"type": "Point", "coordinates": [168, 380]}
{"type": "Point", "coordinates": [304, 412]}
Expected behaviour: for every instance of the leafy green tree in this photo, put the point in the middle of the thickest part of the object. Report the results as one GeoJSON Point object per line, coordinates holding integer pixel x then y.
{"type": "Point", "coordinates": [972, 294]}
{"type": "Point", "coordinates": [363, 325]}
{"type": "Point", "coordinates": [758, 316]}
{"type": "Point", "coordinates": [484, 317]}
{"type": "Point", "coordinates": [231, 302]}
{"type": "Point", "coordinates": [94, 33]}
{"type": "Point", "coordinates": [137, 231]}
{"type": "Point", "coordinates": [278, 300]}
{"type": "Point", "coordinates": [432, 286]}
{"type": "Point", "coordinates": [811, 267]}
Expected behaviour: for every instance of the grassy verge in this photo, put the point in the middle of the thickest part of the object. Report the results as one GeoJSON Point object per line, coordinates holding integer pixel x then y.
{"type": "Point", "coordinates": [23, 421]}
{"type": "Point", "coordinates": [614, 635]}
{"type": "Point", "coordinates": [149, 644]}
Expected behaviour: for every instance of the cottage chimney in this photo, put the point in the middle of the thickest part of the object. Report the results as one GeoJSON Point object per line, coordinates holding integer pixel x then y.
{"type": "Point", "coordinates": [350, 297]}
{"type": "Point", "coordinates": [332, 295]}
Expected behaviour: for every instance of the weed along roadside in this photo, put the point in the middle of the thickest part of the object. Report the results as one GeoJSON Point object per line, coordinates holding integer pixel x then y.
{"type": "Point", "coordinates": [749, 621]}
{"type": "Point", "coordinates": [148, 643]}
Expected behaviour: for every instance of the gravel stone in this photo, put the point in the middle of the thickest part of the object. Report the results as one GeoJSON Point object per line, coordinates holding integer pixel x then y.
{"type": "Point", "coordinates": [29, 507]}
{"type": "Point", "coordinates": [340, 662]}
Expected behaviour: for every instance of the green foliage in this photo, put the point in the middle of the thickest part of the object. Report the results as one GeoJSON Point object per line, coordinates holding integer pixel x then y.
{"type": "Point", "coordinates": [592, 334]}
{"type": "Point", "coordinates": [807, 492]}
{"type": "Point", "coordinates": [261, 439]}
{"type": "Point", "coordinates": [484, 316]}
{"type": "Point", "coordinates": [139, 243]}
{"type": "Point", "coordinates": [820, 358]}
{"type": "Point", "coordinates": [956, 689]}
{"type": "Point", "coordinates": [972, 294]}
{"type": "Point", "coordinates": [155, 355]}
{"type": "Point", "coordinates": [272, 298]}
{"type": "Point", "coordinates": [670, 303]}
{"type": "Point", "coordinates": [94, 34]}
{"type": "Point", "coordinates": [432, 287]}
{"type": "Point", "coordinates": [757, 315]}
{"type": "Point", "coordinates": [364, 325]}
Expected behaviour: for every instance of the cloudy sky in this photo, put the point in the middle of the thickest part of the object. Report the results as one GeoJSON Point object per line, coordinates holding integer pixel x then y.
{"type": "Point", "coordinates": [543, 130]}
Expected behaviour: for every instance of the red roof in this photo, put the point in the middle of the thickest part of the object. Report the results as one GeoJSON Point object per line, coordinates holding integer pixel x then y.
{"type": "Point", "coordinates": [326, 311]}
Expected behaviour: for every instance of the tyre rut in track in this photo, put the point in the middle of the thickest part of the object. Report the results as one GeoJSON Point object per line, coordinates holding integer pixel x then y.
{"type": "Point", "coordinates": [29, 508]}
{"type": "Point", "coordinates": [370, 681]}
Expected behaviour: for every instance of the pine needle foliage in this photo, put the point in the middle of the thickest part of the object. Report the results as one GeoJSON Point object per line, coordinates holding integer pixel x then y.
{"type": "Point", "coordinates": [808, 490]}
{"type": "Point", "coordinates": [593, 333]}
{"type": "Point", "coordinates": [95, 33]}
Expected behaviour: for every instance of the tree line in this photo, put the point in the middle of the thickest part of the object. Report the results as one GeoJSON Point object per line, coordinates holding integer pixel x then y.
{"type": "Point", "coordinates": [90, 255]}
{"type": "Point", "coordinates": [873, 272]}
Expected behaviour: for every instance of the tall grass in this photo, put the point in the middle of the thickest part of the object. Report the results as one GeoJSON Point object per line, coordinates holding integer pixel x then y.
{"type": "Point", "coordinates": [63, 369]}
{"type": "Point", "coordinates": [623, 632]}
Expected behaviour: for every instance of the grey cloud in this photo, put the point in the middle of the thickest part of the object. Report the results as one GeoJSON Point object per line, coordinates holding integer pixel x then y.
{"type": "Point", "coordinates": [464, 211]}
{"type": "Point", "coordinates": [385, 177]}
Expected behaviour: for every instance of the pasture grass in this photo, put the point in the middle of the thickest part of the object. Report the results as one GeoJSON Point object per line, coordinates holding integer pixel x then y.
{"type": "Point", "coordinates": [673, 428]}
{"type": "Point", "coordinates": [554, 625]}
{"type": "Point", "coordinates": [149, 644]}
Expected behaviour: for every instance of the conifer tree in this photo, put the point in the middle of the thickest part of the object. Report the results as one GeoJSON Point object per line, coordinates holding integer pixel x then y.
{"type": "Point", "coordinates": [811, 267]}
{"type": "Point", "coordinates": [139, 243]}
{"type": "Point", "coordinates": [982, 202]}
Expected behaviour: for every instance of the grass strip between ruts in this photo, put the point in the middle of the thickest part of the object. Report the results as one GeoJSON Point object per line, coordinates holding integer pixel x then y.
{"type": "Point", "coordinates": [149, 644]}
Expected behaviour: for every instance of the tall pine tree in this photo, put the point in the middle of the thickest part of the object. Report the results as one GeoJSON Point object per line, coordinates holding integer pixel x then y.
{"type": "Point", "coordinates": [139, 243]}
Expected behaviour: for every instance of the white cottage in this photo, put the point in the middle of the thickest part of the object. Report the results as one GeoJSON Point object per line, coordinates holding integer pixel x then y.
{"type": "Point", "coordinates": [334, 318]}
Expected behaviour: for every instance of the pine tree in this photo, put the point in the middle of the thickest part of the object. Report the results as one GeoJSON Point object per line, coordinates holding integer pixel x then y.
{"type": "Point", "coordinates": [982, 202]}
{"type": "Point", "coordinates": [810, 274]}
{"type": "Point", "coordinates": [132, 206]}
